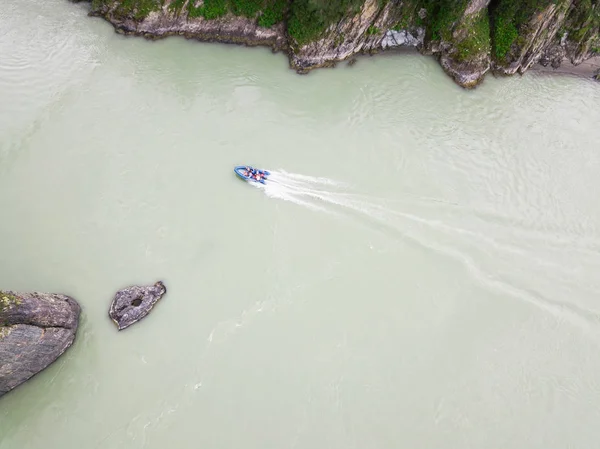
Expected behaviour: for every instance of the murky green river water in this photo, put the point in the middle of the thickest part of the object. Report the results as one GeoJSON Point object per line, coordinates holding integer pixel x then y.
{"type": "Point", "coordinates": [421, 273]}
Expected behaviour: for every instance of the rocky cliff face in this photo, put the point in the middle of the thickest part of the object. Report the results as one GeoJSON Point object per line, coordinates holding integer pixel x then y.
{"type": "Point", "coordinates": [35, 329]}
{"type": "Point", "coordinates": [545, 31]}
{"type": "Point", "coordinates": [470, 37]}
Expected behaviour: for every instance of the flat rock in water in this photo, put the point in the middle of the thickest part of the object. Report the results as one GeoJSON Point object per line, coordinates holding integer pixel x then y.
{"type": "Point", "coordinates": [35, 330]}
{"type": "Point", "coordinates": [133, 303]}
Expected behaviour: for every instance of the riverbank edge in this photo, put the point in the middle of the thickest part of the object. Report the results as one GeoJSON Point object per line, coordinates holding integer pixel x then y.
{"type": "Point", "coordinates": [237, 30]}
{"type": "Point", "coordinates": [230, 30]}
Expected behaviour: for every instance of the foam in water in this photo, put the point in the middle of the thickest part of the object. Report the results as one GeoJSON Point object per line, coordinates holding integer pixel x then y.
{"type": "Point", "coordinates": [436, 234]}
{"type": "Point", "coordinates": [300, 189]}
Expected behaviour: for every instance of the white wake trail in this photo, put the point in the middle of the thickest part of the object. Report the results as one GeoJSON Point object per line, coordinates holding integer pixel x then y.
{"type": "Point", "coordinates": [492, 262]}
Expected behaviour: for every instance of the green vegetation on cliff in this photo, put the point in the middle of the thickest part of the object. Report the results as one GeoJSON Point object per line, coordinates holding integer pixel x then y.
{"type": "Point", "coordinates": [514, 24]}
{"type": "Point", "coordinates": [268, 12]}
{"type": "Point", "coordinates": [444, 20]}
{"type": "Point", "coordinates": [210, 9]}
{"type": "Point", "coordinates": [509, 17]}
{"type": "Point", "coordinates": [309, 18]}
{"type": "Point", "coordinates": [273, 13]}
{"type": "Point", "coordinates": [584, 21]}
{"type": "Point", "coordinates": [137, 9]}
{"type": "Point", "coordinates": [514, 33]}
{"type": "Point", "coordinates": [442, 16]}
{"type": "Point", "coordinates": [476, 41]}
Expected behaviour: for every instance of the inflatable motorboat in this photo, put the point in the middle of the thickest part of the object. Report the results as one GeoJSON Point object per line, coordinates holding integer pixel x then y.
{"type": "Point", "coordinates": [251, 174]}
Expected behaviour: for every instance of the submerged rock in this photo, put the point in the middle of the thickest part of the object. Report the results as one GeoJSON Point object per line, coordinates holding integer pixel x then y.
{"type": "Point", "coordinates": [35, 329]}
{"type": "Point", "coordinates": [131, 304]}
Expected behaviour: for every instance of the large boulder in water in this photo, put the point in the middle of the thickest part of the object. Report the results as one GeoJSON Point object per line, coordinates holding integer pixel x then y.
{"type": "Point", "coordinates": [133, 303]}
{"type": "Point", "coordinates": [35, 329]}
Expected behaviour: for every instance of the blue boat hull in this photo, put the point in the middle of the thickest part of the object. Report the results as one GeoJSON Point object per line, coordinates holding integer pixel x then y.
{"type": "Point", "coordinates": [241, 169]}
